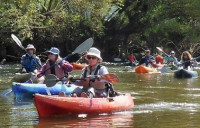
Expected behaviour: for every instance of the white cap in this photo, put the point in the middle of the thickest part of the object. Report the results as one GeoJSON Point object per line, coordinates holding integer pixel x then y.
{"type": "Point", "coordinates": [94, 52]}
{"type": "Point", "coordinates": [172, 52]}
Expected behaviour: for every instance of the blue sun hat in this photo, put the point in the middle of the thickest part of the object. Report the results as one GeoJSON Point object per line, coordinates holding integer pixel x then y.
{"type": "Point", "coordinates": [54, 51]}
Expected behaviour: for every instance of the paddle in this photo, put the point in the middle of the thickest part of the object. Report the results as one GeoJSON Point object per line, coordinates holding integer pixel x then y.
{"type": "Point", "coordinates": [51, 79]}
{"type": "Point", "coordinates": [160, 49]}
{"type": "Point", "coordinates": [17, 41]}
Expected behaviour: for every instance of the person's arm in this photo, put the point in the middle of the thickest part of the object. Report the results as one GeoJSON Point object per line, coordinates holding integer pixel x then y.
{"type": "Point", "coordinates": [141, 61]}
{"type": "Point", "coordinates": [175, 60]}
{"type": "Point", "coordinates": [24, 61]}
{"type": "Point", "coordinates": [41, 71]}
{"type": "Point", "coordinates": [67, 67]}
{"type": "Point", "coordinates": [38, 61]}
{"type": "Point", "coordinates": [103, 70]}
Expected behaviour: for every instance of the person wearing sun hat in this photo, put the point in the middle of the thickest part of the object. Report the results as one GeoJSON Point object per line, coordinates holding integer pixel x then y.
{"type": "Point", "coordinates": [147, 59]}
{"type": "Point", "coordinates": [55, 65]}
{"type": "Point", "coordinates": [95, 87]}
{"type": "Point", "coordinates": [30, 62]}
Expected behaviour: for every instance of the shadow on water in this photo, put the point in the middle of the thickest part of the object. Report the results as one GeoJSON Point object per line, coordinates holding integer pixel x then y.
{"type": "Point", "coordinates": [102, 121]}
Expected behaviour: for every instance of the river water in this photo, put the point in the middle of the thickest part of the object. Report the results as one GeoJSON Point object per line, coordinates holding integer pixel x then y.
{"type": "Point", "coordinates": [161, 101]}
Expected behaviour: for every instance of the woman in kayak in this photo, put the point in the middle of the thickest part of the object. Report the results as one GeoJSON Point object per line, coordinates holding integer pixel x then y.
{"type": "Point", "coordinates": [55, 65]}
{"type": "Point", "coordinates": [92, 87]}
{"type": "Point", "coordinates": [147, 59]}
{"type": "Point", "coordinates": [30, 62]}
{"type": "Point", "coordinates": [187, 60]}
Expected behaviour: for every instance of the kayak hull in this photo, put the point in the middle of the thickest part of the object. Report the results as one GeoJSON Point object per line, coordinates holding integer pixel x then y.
{"type": "Point", "coordinates": [144, 69]}
{"type": "Point", "coordinates": [27, 90]}
{"type": "Point", "coordinates": [77, 66]}
{"type": "Point", "coordinates": [56, 105]}
{"type": "Point", "coordinates": [183, 73]}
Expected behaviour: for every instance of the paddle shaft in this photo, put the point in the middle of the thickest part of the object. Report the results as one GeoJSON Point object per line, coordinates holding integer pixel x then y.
{"type": "Point", "coordinates": [51, 79]}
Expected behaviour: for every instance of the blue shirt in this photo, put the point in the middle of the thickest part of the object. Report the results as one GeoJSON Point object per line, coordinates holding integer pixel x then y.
{"type": "Point", "coordinates": [171, 59]}
{"type": "Point", "coordinates": [147, 60]}
{"type": "Point", "coordinates": [30, 63]}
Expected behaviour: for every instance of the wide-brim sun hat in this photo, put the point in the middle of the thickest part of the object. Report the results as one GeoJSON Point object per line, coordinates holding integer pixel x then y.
{"type": "Point", "coordinates": [30, 46]}
{"type": "Point", "coordinates": [94, 52]}
{"type": "Point", "coordinates": [54, 51]}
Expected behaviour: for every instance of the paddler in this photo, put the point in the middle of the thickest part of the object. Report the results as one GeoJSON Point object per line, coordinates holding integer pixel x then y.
{"type": "Point", "coordinates": [30, 62]}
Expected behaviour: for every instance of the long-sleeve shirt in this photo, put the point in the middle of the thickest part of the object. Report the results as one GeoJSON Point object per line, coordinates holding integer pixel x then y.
{"type": "Point", "coordinates": [57, 69]}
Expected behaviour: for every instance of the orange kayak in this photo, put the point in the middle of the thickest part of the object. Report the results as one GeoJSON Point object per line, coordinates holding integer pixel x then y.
{"type": "Point", "coordinates": [57, 105]}
{"type": "Point", "coordinates": [144, 69]}
{"type": "Point", "coordinates": [78, 66]}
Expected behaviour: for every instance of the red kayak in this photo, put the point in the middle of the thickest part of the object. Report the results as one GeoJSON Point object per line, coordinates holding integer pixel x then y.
{"type": "Point", "coordinates": [57, 105]}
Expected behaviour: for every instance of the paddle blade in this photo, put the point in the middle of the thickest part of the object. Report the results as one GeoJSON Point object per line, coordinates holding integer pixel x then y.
{"type": "Point", "coordinates": [160, 49]}
{"type": "Point", "coordinates": [84, 46]}
{"type": "Point", "coordinates": [51, 80]}
{"type": "Point", "coordinates": [17, 41]}
{"type": "Point", "coordinates": [112, 78]}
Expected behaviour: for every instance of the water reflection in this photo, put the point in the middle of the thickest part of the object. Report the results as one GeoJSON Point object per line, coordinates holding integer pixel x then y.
{"type": "Point", "coordinates": [99, 121]}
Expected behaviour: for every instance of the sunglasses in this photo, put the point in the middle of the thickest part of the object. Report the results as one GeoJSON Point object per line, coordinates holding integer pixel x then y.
{"type": "Point", "coordinates": [91, 57]}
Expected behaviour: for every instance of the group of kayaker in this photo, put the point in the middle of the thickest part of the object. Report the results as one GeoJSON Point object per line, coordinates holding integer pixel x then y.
{"type": "Point", "coordinates": [60, 68]}
{"type": "Point", "coordinates": [186, 59]}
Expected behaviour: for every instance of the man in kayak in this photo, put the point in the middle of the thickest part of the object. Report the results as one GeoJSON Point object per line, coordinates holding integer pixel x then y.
{"type": "Point", "coordinates": [30, 62]}
{"type": "Point", "coordinates": [55, 65]}
{"type": "Point", "coordinates": [172, 59]}
{"type": "Point", "coordinates": [147, 59]}
{"type": "Point", "coordinates": [92, 87]}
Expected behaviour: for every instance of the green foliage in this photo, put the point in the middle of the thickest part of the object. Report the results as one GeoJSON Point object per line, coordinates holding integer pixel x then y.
{"type": "Point", "coordinates": [69, 19]}
{"type": "Point", "coordinates": [157, 23]}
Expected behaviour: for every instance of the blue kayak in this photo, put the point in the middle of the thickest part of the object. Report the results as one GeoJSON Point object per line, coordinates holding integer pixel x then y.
{"type": "Point", "coordinates": [183, 73]}
{"type": "Point", "coordinates": [27, 90]}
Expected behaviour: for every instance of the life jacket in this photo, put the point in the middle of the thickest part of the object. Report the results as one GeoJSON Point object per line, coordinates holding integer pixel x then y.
{"type": "Point", "coordinates": [95, 73]}
{"type": "Point", "coordinates": [97, 84]}
{"type": "Point", "coordinates": [131, 58]}
{"type": "Point", "coordinates": [31, 64]}
{"type": "Point", "coordinates": [159, 59]}
{"type": "Point", "coordinates": [56, 70]}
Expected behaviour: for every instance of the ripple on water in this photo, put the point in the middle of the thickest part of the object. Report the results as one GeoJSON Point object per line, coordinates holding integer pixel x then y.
{"type": "Point", "coordinates": [163, 106]}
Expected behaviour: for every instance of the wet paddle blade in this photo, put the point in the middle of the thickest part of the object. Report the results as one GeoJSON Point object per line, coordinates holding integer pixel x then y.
{"type": "Point", "coordinates": [17, 41]}
{"type": "Point", "coordinates": [159, 49]}
{"type": "Point", "coordinates": [112, 78]}
{"type": "Point", "coordinates": [84, 46]}
{"type": "Point", "coordinates": [51, 80]}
